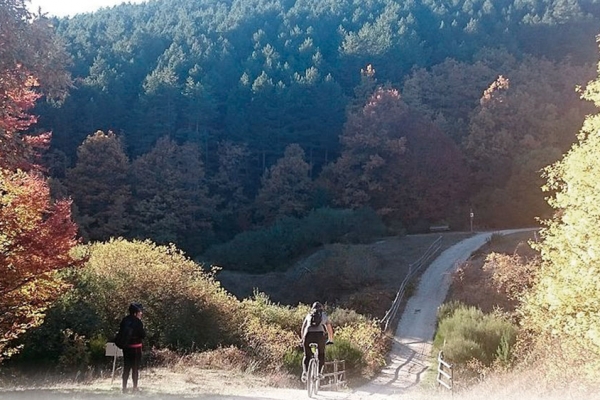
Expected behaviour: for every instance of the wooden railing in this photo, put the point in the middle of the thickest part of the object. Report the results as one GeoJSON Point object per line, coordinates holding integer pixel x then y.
{"type": "Point", "coordinates": [337, 378]}
{"type": "Point", "coordinates": [445, 375]}
{"type": "Point", "coordinates": [412, 271]}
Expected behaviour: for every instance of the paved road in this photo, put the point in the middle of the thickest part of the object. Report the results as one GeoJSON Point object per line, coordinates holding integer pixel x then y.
{"type": "Point", "coordinates": [409, 357]}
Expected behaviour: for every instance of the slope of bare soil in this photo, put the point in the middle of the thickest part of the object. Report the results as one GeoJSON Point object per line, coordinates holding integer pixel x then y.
{"type": "Point", "coordinates": [363, 277]}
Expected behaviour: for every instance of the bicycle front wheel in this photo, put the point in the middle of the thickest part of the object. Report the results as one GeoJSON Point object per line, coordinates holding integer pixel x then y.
{"type": "Point", "coordinates": [312, 378]}
{"type": "Point", "coordinates": [317, 380]}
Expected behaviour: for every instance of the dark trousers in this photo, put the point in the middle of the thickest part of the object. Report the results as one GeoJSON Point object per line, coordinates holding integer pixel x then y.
{"type": "Point", "coordinates": [318, 338]}
{"type": "Point", "coordinates": [132, 358]}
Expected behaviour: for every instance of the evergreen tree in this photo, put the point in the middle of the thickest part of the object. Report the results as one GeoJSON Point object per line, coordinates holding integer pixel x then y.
{"type": "Point", "coordinates": [519, 127]}
{"type": "Point", "coordinates": [233, 187]}
{"type": "Point", "coordinates": [286, 187]}
{"type": "Point", "coordinates": [396, 162]}
{"type": "Point", "coordinates": [172, 204]}
{"type": "Point", "coordinates": [99, 186]}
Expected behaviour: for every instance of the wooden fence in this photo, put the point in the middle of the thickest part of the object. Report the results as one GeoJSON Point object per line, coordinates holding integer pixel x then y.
{"type": "Point", "coordinates": [412, 271]}
{"type": "Point", "coordinates": [445, 375]}
{"type": "Point", "coordinates": [336, 378]}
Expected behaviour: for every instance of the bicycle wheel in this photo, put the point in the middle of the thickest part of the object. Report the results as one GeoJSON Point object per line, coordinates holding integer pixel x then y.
{"type": "Point", "coordinates": [317, 380]}
{"type": "Point", "coordinates": [311, 378]}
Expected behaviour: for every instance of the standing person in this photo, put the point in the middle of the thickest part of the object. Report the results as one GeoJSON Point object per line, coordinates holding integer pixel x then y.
{"type": "Point", "coordinates": [315, 325]}
{"type": "Point", "coordinates": [133, 329]}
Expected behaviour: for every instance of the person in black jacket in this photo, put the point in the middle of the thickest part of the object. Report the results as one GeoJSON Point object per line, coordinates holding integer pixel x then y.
{"type": "Point", "coordinates": [132, 352]}
{"type": "Point", "coordinates": [315, 334]}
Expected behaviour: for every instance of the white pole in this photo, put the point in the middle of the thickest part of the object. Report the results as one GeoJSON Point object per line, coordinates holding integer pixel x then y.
{"type": "Point", "coordinates": [113, 371]}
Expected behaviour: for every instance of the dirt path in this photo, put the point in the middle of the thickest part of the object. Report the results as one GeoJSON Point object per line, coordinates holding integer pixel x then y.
{"type": "Point", "coordinates": [408, 359]}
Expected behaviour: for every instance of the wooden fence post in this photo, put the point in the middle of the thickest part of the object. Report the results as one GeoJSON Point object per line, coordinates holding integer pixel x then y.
{"type": "Point", "coordinates": [445, 376]}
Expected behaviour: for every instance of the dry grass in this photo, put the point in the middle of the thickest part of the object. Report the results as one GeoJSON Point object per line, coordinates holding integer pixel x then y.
{"type": "Point", "coordinates": [522, 385]}
{"type": "Point", "coordinates": [473, 285]}
{"type": "Point", "coordinates": [212, 374]}
{"type": "Point", "coordinates": [361, 277]}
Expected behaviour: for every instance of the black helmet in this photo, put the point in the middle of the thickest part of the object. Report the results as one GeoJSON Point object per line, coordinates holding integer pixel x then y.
{"type": "Point", "coordinates": [317, 306]}
{"type": "Point", "coordinates": [134, 308]}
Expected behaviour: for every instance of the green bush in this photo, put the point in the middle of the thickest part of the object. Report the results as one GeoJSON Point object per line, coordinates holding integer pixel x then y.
{"type": "Point", "coordinates": [343, 317]}
{"type": "Point", "coordinates": [447, 309]}
{"type": "Point", "coordinates": [343, 349]}
{"type": "Point", "coordinates": [466, 333]}
{"type": "Point", "coordinates": [184, 307]}
{"type": "Point", "coordinates": [76, 355]}
{"type": "Point", "coordinates": [292, 360]}
{"type": "Point", "coordinates": [368, 339]}
{"type": "Point", "coordinates": [184, 310]}
{"type": "Point", "coordinates": [285, 317]}
{"type": "Point", "coordinates": [274, 247]}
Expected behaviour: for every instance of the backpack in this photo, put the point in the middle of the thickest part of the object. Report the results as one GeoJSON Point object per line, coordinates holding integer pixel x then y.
{"type": "Point", "coordinates": [123, 336]}
{"type": "Point", "coordinates": [316, 317]}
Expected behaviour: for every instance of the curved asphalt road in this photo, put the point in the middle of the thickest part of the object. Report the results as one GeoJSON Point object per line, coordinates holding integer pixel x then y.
{"type": "Point", "coordinates": [411, 350]}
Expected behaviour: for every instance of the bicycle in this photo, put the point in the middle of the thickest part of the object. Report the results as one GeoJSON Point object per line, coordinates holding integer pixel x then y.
{"type": "Point", "coordinates": [313, 375]}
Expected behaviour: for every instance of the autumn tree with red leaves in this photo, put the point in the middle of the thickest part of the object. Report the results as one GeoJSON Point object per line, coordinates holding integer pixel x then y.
{"type": "Point", "coordinates": [36, 233]}
{"type": "Point", "coordinates": [396, 162]}
{"type": "Point", "coordinates": [32, 64]}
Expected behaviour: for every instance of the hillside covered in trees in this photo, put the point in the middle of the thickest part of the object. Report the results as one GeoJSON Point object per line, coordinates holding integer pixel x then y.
{"type": "Point", "coordinates": [195, 121]}
{"type": "Point", "coordinates": [160, 136]}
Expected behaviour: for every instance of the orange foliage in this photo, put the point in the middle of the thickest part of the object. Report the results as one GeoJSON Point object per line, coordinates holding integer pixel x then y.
{"type": "Point", "coordinates": [36, 234]}
{"type": "Point", "coordinates": [36, 237]}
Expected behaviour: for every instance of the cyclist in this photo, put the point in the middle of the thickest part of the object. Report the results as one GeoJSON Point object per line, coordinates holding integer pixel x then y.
{"type": "Point", "coordinates": [315, 325]}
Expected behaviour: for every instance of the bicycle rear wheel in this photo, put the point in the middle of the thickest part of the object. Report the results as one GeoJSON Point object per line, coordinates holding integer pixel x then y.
{"type": "Point", "coordinates": [312, 378]}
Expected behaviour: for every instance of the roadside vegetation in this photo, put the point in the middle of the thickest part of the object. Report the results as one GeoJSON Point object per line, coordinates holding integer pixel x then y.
{"type": "Point", "coordinates": [478, 325]}
{"type": "Point", "coordinates": [186, 312]}
{"type": "Point", "coordinates": [490, 295]}
{"type": "Point", "coordinates": [549, 298]}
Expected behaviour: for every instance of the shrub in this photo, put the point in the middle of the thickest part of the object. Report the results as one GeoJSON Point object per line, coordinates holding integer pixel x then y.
{"type": "Point", "coordinates": [447, 309]}
{"type": "Point", "coordinates": [184, 307]}
{"type": "Point", "coordinates": [343, 349]}
{"type": "Point", "coordinates": [270, 330]}
{"type": "Point", "coordinates": [76, 355]}
{"type": "Point", "coordinates": [512, 275]}
{"type": "Point", "coordinates": [343, 316]}
{"type": "Point", "coordinates": [344, 271]}
{"type": "Point", "coordinates": [268, 343]}
{"type": "Point", "coordinates": [272, 337]}
{"type": "Point", "coordinates": [97, 348]}
{"type": "Point", "coordinates": [292, 360]}
{"type": "Point", "coordinates": [371, 343]}
{"type": "Point", "coordinates": [467, 333]}
{"type": "Point", "coordinates": [285, 317]}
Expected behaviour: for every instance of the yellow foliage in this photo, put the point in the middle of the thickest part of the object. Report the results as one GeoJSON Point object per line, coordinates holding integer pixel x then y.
{"type": "Point", "coordinates": [565, 302]}
{"type": "Point", "coordinates": [182, 302]}
{"type": "Point", "coordinates": [367, 336]}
